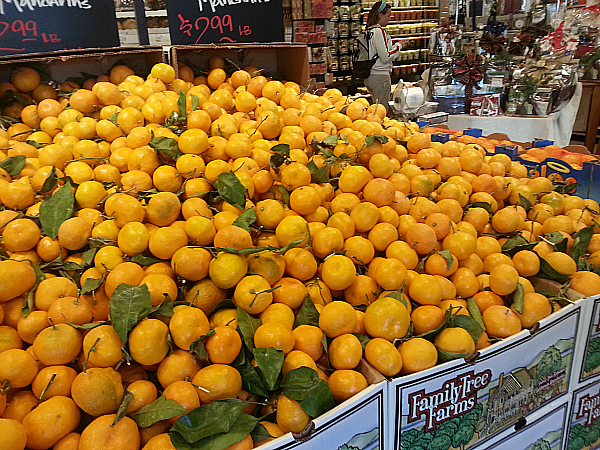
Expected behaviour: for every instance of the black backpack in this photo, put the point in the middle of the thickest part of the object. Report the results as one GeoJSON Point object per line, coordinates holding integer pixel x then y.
{"type": "Point", "coordinates": [361, 62]}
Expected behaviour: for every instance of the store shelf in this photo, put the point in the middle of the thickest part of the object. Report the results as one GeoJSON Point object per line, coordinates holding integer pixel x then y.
{"type": "Point", "coordinates": [400, 22]}
{"type": "Point", "coordinates": [131, 14]}
{"type": "Point", "coordinates": [157, 36]}
{"type": "Point", "coordinates": [410, 36]}
{"type": "Point", "coordinates": [409, 62]}
{"type": "Point", "coordinates": [408, 8]}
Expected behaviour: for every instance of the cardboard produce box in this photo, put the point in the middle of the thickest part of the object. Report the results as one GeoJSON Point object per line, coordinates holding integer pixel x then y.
{"type": "Point", "coordinates": [583, 427]}
{"type": "Point", "coordinates": [586, 180]}
{"type": "Point", "coordinates": [64, 64]}
{"type": "Point", "coordinates": [468, 404]}
{"type": "Point", "coordinates": [589, 359]}
{"type": "Point", "coordinates": [286, 59]}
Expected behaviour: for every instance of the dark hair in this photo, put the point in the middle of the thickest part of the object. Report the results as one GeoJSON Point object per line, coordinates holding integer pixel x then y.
{"type": "Point", "coordinates": [374, 15]}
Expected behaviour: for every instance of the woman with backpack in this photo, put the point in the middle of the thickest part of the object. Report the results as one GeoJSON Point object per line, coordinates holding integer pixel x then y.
{"type": "Point", "coordinates": [380, 46]}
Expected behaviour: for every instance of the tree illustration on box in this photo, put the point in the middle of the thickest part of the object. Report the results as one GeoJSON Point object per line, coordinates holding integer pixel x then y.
{"type": "Point", "coordinates": [541, 444]}
{"type": "Point", "coordinates": [581, 436]}
{"type": "Point", "coordinates": [453, 433]}
{"type": "Point", "coordinates": [592, 358]}
{"type": "Point", "coordinates": [550, 363]}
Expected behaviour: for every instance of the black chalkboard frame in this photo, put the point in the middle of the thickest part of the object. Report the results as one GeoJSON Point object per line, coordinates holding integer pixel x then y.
{"type": "Point", "coordinates": [77, 24]}
{"type": "Point", "coordinates": [193, 22]}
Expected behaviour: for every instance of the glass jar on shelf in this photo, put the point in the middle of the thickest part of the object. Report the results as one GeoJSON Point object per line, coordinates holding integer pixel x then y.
{"type": "Point", "coordinates": [333, 46]}
{"type": "Point", "coordinates": [335, 13]}
{"type": "Point", "coordinates": [343, 29]}
{"type": "Point", "coordinates": [343, 46]}
{"type": "Point", "coordinates": [355, 12]}
{"type": "Point", "coordinates": [344, 12]}
{"type": "Point", "coordinates": [345, 61]}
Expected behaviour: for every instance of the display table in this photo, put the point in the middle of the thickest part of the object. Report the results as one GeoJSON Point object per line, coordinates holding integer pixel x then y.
{"type": "Point", "coordinates": [556, 127]}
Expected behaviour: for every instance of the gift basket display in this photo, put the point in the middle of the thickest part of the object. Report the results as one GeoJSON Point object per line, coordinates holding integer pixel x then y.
{"type": "Point", "coordinates": [532, 70]}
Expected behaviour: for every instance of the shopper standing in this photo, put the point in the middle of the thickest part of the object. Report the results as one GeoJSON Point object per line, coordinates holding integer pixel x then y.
{"type": "Point", "coordinates": [379, 82]}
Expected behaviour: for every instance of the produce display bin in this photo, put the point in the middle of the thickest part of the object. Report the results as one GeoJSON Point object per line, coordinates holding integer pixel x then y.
{"type": "Point", "coordinates": [97, 61]}
{"type": "Point", "coordinates": [538, 389]}
{"type": "Point", "coordinates": [509, 380]}
{"type": "Point", "coordinates": [288, 60]}
{"type": "Point", "coordinates": [587, 178]}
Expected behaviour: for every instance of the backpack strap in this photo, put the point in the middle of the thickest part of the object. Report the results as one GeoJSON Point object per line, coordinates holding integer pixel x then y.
{"type": "Point", "coordinates": [368, 34]}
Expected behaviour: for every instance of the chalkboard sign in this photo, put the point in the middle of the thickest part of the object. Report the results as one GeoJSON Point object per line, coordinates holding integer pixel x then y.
{"type": "Point", "coordinates": [28, 26]}
{"type": "Point", "coordinates": [229, 21]}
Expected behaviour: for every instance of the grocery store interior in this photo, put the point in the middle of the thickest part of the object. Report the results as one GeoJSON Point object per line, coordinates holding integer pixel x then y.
{"type": "Point", "coordinates": [299, 224]}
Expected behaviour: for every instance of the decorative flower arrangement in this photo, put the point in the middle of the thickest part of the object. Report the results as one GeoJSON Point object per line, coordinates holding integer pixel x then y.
{"type": "Point", "coordinates": [492, 43]}
{"type": "Point", "coordinates": [494, 27]}
{"type": "Point", "coordinates": [470, 71]}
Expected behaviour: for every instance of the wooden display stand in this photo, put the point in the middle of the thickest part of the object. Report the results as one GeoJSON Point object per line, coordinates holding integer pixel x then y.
{"type": "Point", "coordinates": [591, 88]}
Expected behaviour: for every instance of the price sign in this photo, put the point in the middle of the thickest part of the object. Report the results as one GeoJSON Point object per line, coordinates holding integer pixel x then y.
{"type": "Point", "coordinates": [229, 21]}
{"type": "Point", "coordinates": [28, 26]}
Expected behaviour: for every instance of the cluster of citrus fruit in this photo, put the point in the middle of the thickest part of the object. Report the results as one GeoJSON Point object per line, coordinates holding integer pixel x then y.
{"type": "Point", "coordinates": [233, 250]}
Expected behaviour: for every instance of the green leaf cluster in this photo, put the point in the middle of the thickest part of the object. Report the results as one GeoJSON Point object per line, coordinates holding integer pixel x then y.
{"type": "Point", "coordinates": [56, 209]}
{"type": "Point", "coordinates": [215, 426]}
{"type": "Point", "coordinates": [166, 145]}
{"type": "Point", "coordinates": [128, 306]}
{"type": "Point", "coordinates": [304, 386]}
{"type": "Point", "coordinates": [231, 189]}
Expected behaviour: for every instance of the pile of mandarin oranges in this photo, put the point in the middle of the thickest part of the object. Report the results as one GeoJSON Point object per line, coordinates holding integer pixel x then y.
{"type": "Point", "coordinates": [158, 232]}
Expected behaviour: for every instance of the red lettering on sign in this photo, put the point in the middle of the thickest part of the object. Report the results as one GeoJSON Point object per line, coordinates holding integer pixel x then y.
{"type": "Point", "coordinates": [17, 26]}
{"type": "Point", "coordinates": [30, 25]}
{"type": "Point", "coordinates": [5, 29]}
{"type": "Point", "coordinates": [27, 31]}
{"type": "Point", "coordinates": [227, 22]}
{"type": "Point", "coordinates": [222, 24]}
{"type": "Point", "coordinates": [198, 28]}
{"type": "Point", "coordinates": [185, 26]}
